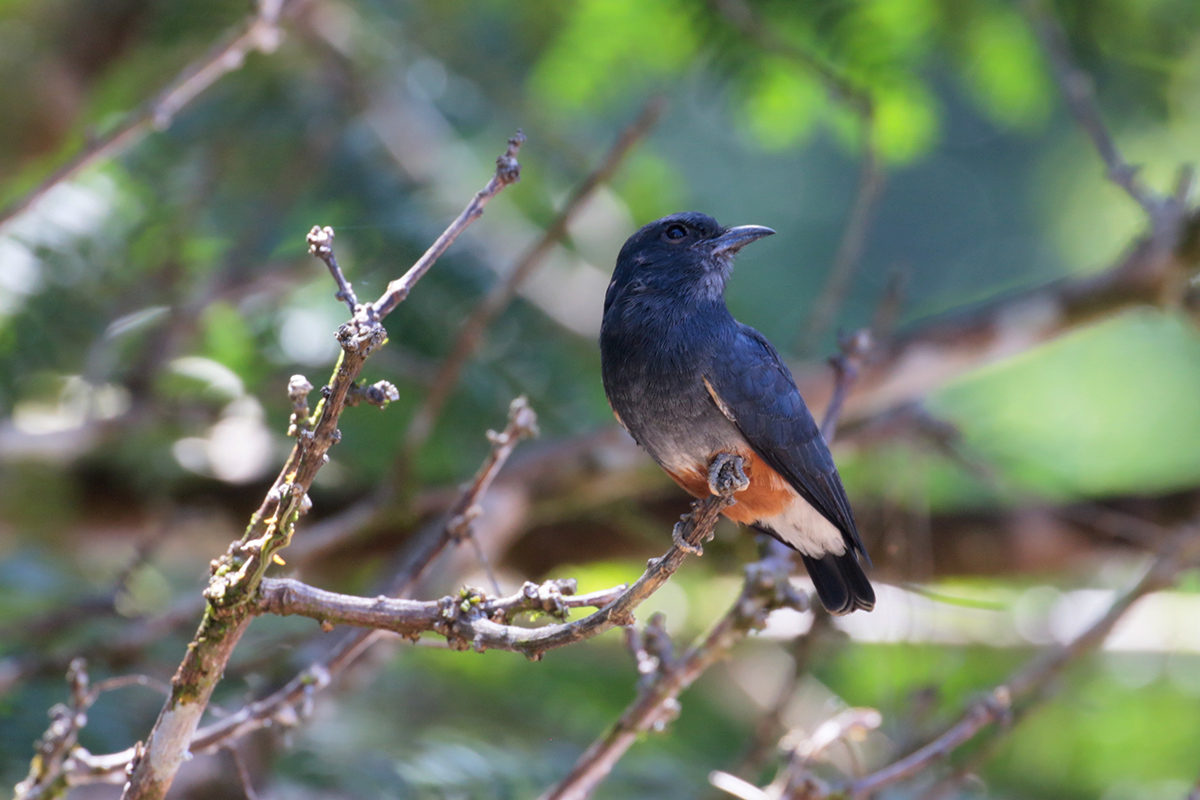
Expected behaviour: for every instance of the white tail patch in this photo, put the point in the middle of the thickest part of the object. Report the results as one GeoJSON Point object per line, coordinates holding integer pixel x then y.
{"type": "Point", "coordinates": [806, 529]}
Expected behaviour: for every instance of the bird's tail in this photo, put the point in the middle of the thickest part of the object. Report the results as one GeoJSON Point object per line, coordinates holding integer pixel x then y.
{"type": "Point", "coordinates": [841, 583]}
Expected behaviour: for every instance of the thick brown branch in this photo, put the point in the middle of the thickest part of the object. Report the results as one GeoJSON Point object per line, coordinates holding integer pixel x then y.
{"type": "Point", "coordinates": [260, 33]}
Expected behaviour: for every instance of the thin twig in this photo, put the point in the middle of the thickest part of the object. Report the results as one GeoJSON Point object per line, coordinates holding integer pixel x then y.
{"type": "Point", "coordinates": [855, 349]}
{"type": "Point", "coordinates": [59, 740]}
{"type": "Point", "coordinates": [522, 422]}
{"type": "Point", "coordinates": [1078, 91]}
{"type": "Point", "coordinates": [243, 773]}
{"type": "Point", "coordinates": [122, 681]}
{"type": "Point", "coordinates": [501, 295]}
{"type": "Point", "coordinates": [260, 33]}
{"type": "Point", "coordinates": [770, 727]}
{"type": "Point", "coordinates": [854, 239]}
{"type": "Point", "coordinates": [508, 171]}
{"type": "Point", "coordinates": [320, 244]}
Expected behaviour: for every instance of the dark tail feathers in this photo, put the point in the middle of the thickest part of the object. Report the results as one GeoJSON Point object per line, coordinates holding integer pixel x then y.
{"type": "Point", "coordinates": [841, 583]}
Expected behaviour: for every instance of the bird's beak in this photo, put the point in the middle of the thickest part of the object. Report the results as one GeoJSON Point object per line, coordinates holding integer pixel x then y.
{"type": "Point", "coordinates": [735, 239]}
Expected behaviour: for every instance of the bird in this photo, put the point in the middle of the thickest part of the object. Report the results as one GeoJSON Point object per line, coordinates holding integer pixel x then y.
{"type": "Point", "coordinates": [690, 383]}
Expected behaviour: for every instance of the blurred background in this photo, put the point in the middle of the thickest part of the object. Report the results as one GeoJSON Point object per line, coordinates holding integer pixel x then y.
{"type": "Point", "coordinates": [154, 303]}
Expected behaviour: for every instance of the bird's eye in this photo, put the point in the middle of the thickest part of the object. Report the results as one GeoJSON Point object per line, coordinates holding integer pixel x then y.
{"type": "Point", "coordinates": [675, 232]}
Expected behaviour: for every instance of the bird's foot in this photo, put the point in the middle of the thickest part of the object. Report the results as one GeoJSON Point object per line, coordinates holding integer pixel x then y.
{"type": "Point", "coordinates": [682, 543]}
{"type": "Point", "coordinates": [726, 475]}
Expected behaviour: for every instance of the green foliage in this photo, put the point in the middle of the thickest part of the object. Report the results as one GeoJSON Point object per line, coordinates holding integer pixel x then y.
{"type": "Point", "coordinates": [608, 47]}
{"type": "Point", "coordinates": [782, 103]}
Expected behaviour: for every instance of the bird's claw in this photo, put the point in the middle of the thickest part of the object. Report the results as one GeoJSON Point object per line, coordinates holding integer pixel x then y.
{"type": "Point", "coordinates": [726, 475]}
{"type": "Point", "coordinates": [682, 543]}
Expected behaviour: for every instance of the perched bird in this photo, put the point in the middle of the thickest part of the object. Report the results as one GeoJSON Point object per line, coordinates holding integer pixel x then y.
{"type": "Point", "coordinates": [690, 382]}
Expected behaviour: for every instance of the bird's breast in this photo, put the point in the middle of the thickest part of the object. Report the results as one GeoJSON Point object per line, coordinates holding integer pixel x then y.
{"type": "Point", "coordinates": [654, 358]}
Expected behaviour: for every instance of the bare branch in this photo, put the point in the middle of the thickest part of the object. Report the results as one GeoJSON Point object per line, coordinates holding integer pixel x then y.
{"type": "Point", "coordinates": [237, 575]}
{"type": "Point", "coordinates": [508, 171]}
{"type": "Point", "coordinates": [470, 621]}
{"type": "Point", "coordinates": [52, 750]}
{"type": "Point", "coordinates": [471, 333]}
{"type": "Point", "coordinates": [464, 625]}
{"type": "Point", "coordinates": [261, 33]}
{"type": "Point", "coordinates": [521, 422]}
{"type": "Point", "coordinates": [56, 753]}
{"type": "Point", "coordinates": [279, 705]}
{"type": "Point", "coordinates": [770, 727]}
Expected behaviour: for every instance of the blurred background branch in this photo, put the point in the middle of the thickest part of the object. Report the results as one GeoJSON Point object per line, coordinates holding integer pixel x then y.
{"type": "Point", "coordinates": [260, 33]}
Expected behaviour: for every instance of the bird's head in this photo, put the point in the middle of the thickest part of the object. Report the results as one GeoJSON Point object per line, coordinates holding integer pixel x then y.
{"type": "Point", "coordinates": [688, 255]}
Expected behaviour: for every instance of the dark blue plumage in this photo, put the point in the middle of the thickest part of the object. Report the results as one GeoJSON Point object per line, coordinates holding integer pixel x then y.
{"type": "Point", "coordinates": [689, 381]}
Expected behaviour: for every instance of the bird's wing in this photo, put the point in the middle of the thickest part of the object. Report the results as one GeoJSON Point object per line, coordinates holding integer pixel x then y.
{"type": "Point", "coordinates": [753, 388]}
